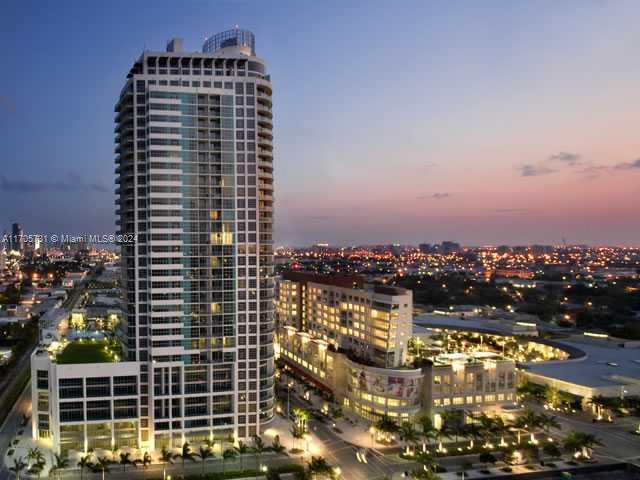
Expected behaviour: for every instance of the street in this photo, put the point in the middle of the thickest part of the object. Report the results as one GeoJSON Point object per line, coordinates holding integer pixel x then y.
{"type": "Point", "coordinates": [11, 425]}
{"type": "Point", "coordinates": [341, 453]}
{"type": "Point", "coordinates": [619, 443]}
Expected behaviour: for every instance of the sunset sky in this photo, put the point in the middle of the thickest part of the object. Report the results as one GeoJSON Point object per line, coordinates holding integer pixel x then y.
{"type": "Point", "coordinates": [487, 122]}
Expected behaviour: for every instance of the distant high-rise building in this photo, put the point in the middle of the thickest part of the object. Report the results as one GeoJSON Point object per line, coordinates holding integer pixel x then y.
{"type": "Point", "coordinates": [449, 247]}
{"type": "Point", "coordinates": [425, 248]}
{"type": "Point", "coordinates": [17, 238]}
{"type": "Point", "coordinates": [397, 249]}
{"type": "Point", "coordinates": [194, 155]}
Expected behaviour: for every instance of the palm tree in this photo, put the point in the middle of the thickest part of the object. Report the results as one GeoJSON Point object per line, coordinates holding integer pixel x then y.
{"type": "Point", "coordinates": [114, 451]}
{"type": "Point", "coordinates": [487, 458]}
{"type": "Point", "coordinates": [259, 448]}
{"type": "Point", "coordinates": [552, 450]}
{"type": "Point", "coordinates": [36, 469]}
{"type": "Point", "coordinates": [302, 417]}
{"type": "Point", "coordinates": [429, 432]}
{"type": "Point", "coordinates": [485, 425]}
{"type": "Point", "coordinates": [35, 455]}
{"type": "Point", "coordinates": [499, 429]}
{"type": "Point", "coordinates": [547, 422]}
{"type": "Point", "coordinates": [297, 433]}
{"type": "Point", "coordinates": [58, 463]}
{"type": "Point", "coordinates": [453, 423]}
{"type": "Point", "coordinates": [528, 420]}
{"type": "Point", "coordinates": [228, 454]}
{"type": "Point", "coordinates": [102, 465]}
{"type": "Point", "coordinates": [473, 431]}
{"type": "Point", "coordinates": [580, 443]}
{"type": "Point", "coordinates": [83, 463]}
{"type": "Point", "coordinates": [242, 449]}
{"type": "Point", "coordinates": [424, 475]}
{"type": "Point", "coordinates": [146, 459]}
{"type": "Point", "coordinates": [409, 435]}
{"type": "Point", "coordinates": [125, 459]}
{"type": "Point", "coordinates": [186, 453]}
{"type": "Point", "coordinates": [211, 443]}
{"type": "Point", "coordinates": [426, 460]}
{"type": "Point", "coordinates": [18, 467]}
{"type": "Point", "coordinates": [277, 447]}
{"type": "Point", "coordinates": [166, 456]}
{"type": "Point", "coordinates": [387, 426]}
{"type": "Point", "coordinates": [204, 453]}
{"type": "Point", "coordinates": [319, 466]}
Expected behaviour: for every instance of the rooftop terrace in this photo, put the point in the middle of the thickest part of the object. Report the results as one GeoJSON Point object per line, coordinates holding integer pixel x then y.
{"type": "Point", "coordinates": [88, 351]}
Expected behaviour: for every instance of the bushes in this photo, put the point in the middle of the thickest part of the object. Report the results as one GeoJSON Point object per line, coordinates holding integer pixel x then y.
{"type": "Point", "coordinates": [272, 474]}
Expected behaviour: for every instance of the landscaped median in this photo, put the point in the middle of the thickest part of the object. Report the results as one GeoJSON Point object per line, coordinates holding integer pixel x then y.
{"type": "Point", "coordinates": [268, 473]}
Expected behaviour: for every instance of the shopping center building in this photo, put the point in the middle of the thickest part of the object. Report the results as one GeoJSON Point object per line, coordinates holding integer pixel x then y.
{"type": "Point", "coordinates": [350, 338]}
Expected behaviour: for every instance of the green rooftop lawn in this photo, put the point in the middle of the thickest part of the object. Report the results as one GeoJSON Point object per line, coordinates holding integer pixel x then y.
{"type": "Point", "coordinates": [85, 352]}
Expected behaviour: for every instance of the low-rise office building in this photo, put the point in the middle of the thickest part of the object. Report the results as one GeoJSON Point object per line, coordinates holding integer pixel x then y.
{"type": "Point", "coordinates": [81, 406]}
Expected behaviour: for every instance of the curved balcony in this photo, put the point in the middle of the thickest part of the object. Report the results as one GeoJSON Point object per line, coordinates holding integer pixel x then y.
{"type": "Point", "coordinates": [263, 86]}
{"type": "Point", "coordinates": [124, 112]}
{"type": "Point", "coordinates": [265, 121]}
{"type": "Point", "coordinates": [264, 99]}
{"type": "Point", "coordinates": [264, 110]}
{"type": "Point", "coordinates": [265, 163]}
{"type": "Point", "coordinates": [265, 143]}
{"type": "Point", "coordinates": [263, 152]}
{"type": "Point", "coordinates": [266, 187]}
{"type": "Point", "coordinates": [265, 174]}
{"type": "Point", "coordinates": [265, 133]}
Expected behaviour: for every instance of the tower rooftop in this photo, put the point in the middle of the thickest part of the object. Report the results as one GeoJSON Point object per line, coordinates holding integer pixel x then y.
{"type": "Point", "coordinates": [236, 38]}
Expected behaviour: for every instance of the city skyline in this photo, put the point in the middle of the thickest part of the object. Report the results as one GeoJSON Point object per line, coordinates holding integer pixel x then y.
{"type": "Point", "coordinates": [494, 124]}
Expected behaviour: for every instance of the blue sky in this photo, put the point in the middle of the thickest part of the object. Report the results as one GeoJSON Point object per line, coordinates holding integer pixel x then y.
{"type": "Point", "coordinates": [394, 121]}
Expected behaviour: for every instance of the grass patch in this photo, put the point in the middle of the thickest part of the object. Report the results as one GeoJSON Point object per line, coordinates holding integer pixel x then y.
{"type": "Point", "coordinates": [86, 352]}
